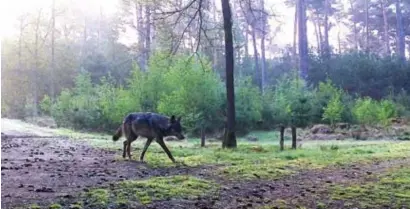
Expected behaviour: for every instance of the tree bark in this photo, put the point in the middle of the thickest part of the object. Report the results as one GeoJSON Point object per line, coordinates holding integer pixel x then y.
{"type": "Point", "coordinates": [356, 45]}
{"type": "Point", "coordinates": [316, 25]}
{"type": "Point", "coordinates": [202, 137]}
{"type": "Point", "coordinates": [282, 139]}
{"type": "Point", "coordinates": [326, 49]}
{"type": "Point", "coordinates": [52, 70]}
{"type": "Point", "coordinates": [295, 32]}
{"type": "Point", "coordinates": [256, 58]}
{"type": "Point", "coordinates": [230, 139]}
{"type": "Point", "coordinates": [367, 25]}
{"type": "Point", "coordinates": [140, 33]}
{"type": "Point", "coordinates": [263, 60]}
{"type": "Point", "coordinates": [386, 28]}
{"type": "Point", "coordinates": [294, 137]}
{"type": "Point", "coordinates": [400, 32]}
{"type": "Point", "coordinates": [147, 35]}
{"type": "Point", "coordinates": [246, 41]}
{"type": "Point", "coordinates": [303, 50]}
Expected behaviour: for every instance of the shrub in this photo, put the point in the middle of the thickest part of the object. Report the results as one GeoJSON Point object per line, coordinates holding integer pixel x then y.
{"type": "Point", "coordinates": [365, 110]}
{"type": "Point", "coordinates": [386, 111]}
{"type": "Point", "coordinates": [333, 110]}
{"type": "Point", "coordinates": [45, 105]}
{"type": "Point", "coordinates": [192, 91]}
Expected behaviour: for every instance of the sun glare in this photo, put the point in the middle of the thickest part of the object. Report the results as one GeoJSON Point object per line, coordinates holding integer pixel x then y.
{"type": "Point", "coordinates": [10, 10]}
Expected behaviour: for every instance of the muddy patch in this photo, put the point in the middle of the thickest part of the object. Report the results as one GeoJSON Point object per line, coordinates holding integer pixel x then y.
{"type": "Point", "coordinates": [42, 170]}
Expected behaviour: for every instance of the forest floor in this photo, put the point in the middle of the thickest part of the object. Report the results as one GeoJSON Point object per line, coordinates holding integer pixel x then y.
{"type": "Point", "coordinates": [55, 168]}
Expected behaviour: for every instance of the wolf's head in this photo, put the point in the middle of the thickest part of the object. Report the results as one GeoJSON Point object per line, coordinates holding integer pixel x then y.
{"type": "Point", "coordinates": [175, 127]}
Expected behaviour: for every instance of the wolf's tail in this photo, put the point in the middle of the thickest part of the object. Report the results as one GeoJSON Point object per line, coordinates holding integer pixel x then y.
{"type": "Point", "coordinates": [118, 133]}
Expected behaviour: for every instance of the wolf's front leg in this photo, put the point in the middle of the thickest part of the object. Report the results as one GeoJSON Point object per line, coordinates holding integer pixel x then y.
{"type": "Point", "coordinates": [161, 142]}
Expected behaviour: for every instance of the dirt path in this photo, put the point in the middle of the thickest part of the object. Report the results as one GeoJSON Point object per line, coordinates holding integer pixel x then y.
{"type": "Point", "coordinates": [39, 167]}
{"type": "Point", "coordinates": [42, 169]}
{"type": "Point", "coordinates": [307, 189]}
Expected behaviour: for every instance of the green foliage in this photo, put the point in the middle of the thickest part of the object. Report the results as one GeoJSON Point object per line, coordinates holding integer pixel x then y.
{"type": "Point", "coordinates": [152, 189]}
{"type": "Point", "coordinates": [369, 112]}
{"type": "Point", "coordinates": [365, 111]}
{"type": "Point", "coordinates": [45, 105]}
{"type": "Point", "coordinates": [114, 103]}
{"type": "Point", "coordinates": [291, 101]}
{"type": "Point", "coordinates": [333, 110]}
{"type": "Point", "coordinates": [391, 189]}
{"type": "Point", "coordinates": [248, 104]}
{"type": "Point", "coordinates": [386, 111]}
{"type": "Point", "coordinates": [79, 108]}
{"type": "Point", "coordinates": [192, 91]}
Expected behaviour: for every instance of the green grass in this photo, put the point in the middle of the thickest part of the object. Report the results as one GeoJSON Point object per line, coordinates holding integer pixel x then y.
{"type": "Point", "coordinates": [262, 159]}
{"type": "Point", "coordinates": [146, 191]}
{"type": "Point", "coordinates": [392, 190]}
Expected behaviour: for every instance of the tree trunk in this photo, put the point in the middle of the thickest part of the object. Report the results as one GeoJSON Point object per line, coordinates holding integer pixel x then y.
{"type": "Point", "coordinates": [386, 28]}
{"type": "Point", "coordinates": [256, 58]}
{"type": "Point", "coordinates": [320, 36]}
{"type": "Point", "coordinates": [356, 45]}
{"type": "Point", "coordinates": [141, 37]}
{"type": "Point", "coordinates": [303, 50]}
{"type": "Point", "coordinates": [52, 70]}
{"type": "Point", "coordinates": [294, 137]}
{"type": "Point", "coordinates": [326, 49]}
{"type": "Point", "coordinates": [400, 32]}
{"type": "Point", "coordinates": [230, 139]}
{"type": "Point", "coordinates": [367, 25]}
{"type": "Point", "coordinates": [295, 32]}
{"type": "Point", "coordinates": [339, 42]}
{"type": "Point", "coordinates": [36, 66]}
{"type": "Point", "coordinates": [246, 41]}
{"type": "Point", "coordinates": [316, 25]}
{"type": "Point", "coordinates": [263, 60]}
{"type": "Point", "coordinates": [202, 137]}
{"type": "Point", "coordinates": [147, 35]}
{"type": "Point", "coordinates": [282, 139]}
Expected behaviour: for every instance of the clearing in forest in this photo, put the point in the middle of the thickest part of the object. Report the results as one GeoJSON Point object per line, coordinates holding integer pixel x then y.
{"type": "Point", "coordinates": [50, 168]}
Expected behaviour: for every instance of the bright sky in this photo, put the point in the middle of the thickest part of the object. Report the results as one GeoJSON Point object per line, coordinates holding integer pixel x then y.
{"type": "Point", "coordinates": [10, 9]}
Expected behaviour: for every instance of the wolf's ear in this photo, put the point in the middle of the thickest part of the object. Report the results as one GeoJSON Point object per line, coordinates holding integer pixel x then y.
{"type": "Point", "coordinates": [179, 119]}
{"type": "Point", "coordinates": [172, 120]}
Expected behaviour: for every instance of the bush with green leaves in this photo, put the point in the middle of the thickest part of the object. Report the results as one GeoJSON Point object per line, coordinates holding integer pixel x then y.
{"type": "Point", "coordinates": [248, 105]}
{"type": "Point", "coordinates": [386, 111]}
{"type": "Point", "coordinates": [115, 103]}
{"type": "Point", "coordinates": [45, 105]}
{"type": "Point", "coordinates": [334, 109]}
{"type": "Point", "coordinates": [365, 111]}
{"type": "Point", "coordinates": [194, 92]}
{"type": "Point", "coordinates": [78, 108]}
{"type": "Point", "coordinates": [323, 94]}
{"type": "Point", "coordinates": [291, 101]}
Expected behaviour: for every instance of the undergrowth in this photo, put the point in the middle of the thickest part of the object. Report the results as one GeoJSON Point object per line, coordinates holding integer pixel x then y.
{"type": "Point", "coordinates": [145, 191]}
{"type": "Point", "coordinates": [391, 191]}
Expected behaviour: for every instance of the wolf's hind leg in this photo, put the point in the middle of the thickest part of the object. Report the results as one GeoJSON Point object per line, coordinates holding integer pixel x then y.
{"type": "Point", "coordinates": [129, 146]}
{"type": "Point", "coordinates": [124, 147]}
{"type": "Point", "coordinates": [161, 142]}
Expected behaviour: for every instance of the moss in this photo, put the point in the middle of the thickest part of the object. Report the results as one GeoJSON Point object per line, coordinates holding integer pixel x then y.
{"type": "Point", "coordinates": [55, 206]}
{"type": "Point", "coordinates": [97, 197]}
{"type": "Point", "coordinates": [320, 205]}
{"type": "Point", "coordinates": [156, 188]}
{"type": "Point", "coordinates": [34, 206]}
{"type": "Point", "coordinates": [76, 206]}
{"type": "Point", "coordinates": [392, 189]}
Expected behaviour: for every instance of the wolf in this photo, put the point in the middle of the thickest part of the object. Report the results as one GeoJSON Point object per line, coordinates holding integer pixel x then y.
{"type": "Point", "coordinates": [149, 125]}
